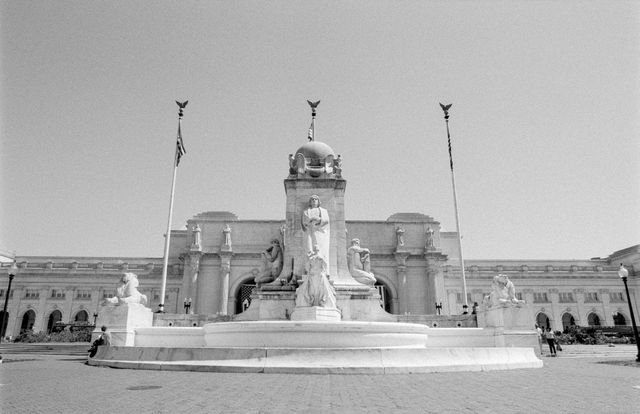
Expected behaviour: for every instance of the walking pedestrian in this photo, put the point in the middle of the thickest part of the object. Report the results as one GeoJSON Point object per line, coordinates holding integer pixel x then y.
{"type": "Point", "coordinates": [551, 340]}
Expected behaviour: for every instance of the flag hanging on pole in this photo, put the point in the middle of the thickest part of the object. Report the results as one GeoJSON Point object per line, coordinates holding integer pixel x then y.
{"type": "Point", "coordinates": [180, 150]}
{"type": "Point", "coordinates": [310, 135]}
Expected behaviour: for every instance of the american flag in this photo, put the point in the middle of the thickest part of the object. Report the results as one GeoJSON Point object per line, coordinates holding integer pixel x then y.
{"type": "Point", "coordinates": [310, 135]}
{"type": "Point", "coordinates": [180, 150]}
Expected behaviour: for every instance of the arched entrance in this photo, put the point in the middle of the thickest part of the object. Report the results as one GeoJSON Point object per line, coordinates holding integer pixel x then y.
{"type": "Point", "coordinates": [81, 316]}
{"type": "Point", "coordinates": [542, 320]}
{"type": "Point", "coordinates": [55, 316]}
{"type": "Point", "coordinates": [385, 296]}
{"type": "Point", "coordinates": [593, 319]}
{"type": "Point", "coordinates": [567, 321]}
{"type": "Point", "coordinates": [243, 297]}
{"type": "Point", "coordinates": [28, 319]}
{"type": "Point", "coordinates": [4, 317]}
{"type": "Point", "coordinates": [619, 319]}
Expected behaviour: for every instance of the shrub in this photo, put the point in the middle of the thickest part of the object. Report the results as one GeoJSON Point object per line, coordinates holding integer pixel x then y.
{"type": "Point", "coordinates": [78, 334]}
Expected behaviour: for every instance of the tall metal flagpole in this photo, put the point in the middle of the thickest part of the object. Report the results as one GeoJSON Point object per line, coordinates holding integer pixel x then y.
{"type": "Point", "coordinates": [180, 151]}
{"type": "Point", "coordinates": [445, 108]}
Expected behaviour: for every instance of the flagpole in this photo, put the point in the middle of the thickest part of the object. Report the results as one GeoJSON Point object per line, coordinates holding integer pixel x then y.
{"type": "Point", "coordinates": [445, 108]}
{"type": "Point", "coordinates": [167, 239]}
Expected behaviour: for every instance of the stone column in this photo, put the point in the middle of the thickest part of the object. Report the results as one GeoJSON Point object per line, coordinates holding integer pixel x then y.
{"type": "Point", "coordinates": [225, 270]}
{"type": "Point", "coordinates": [556, 316]}
{"type": "Point", "coordinates": [191, 291]}
{"type": "Point", "coordinates": [580, 309]}
{"type": "Point", "coordinates": [435, 280]}
{"type": "Point", "coordinates": [68, 303]}
{"type": "Point", "coordinates": [605, 301]}
{"type": "Point", "coordinates": [401, 270]}
{"type": "Point", "coordinates": [451, 306]}
{"type": "Point", "coordinates": [40, 324]}
{"type": "Point", "coordinates": [13, 324]}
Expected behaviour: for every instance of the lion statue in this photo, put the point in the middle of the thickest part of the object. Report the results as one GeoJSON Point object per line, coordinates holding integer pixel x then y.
{"type": "Point", "coordinates": [127, 291]}
{"type": "Point", "coordinates": [503, 292]}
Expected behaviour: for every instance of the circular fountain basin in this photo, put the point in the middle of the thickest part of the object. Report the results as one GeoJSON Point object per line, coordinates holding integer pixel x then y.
{"type": "Point", "coordinates": [315, 334]}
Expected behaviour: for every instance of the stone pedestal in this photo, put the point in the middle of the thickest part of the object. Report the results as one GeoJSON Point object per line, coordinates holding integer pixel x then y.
{"type": "Point", "coordinates": [361, 303]}
{"type": "Point", "coordinates": [507, 316]}
{"type": "Point", "coordinates": [315, 313]}
{"type": "Point", "coordinates": [121, 321]}
{"type": "Point", "coordinates": [270, 303]}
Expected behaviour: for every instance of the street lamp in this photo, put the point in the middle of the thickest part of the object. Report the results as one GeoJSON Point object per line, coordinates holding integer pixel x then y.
{"type": "Point", "coordinates": [187, 304]}
{"type": "Point", "coordinates": [623, 273]}
{"type": "Point", "coordinates": [13, 270]}
{"type": "Point", "coordinates": [95, 317]}
{"type": "Point", "coordinates": [438, 308]}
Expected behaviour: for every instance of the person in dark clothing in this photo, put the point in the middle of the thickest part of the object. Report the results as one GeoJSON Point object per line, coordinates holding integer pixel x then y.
{"type": "Point", "coordinates": [104, 339]}
{"type": "Point", "coordinates": [551, 340]}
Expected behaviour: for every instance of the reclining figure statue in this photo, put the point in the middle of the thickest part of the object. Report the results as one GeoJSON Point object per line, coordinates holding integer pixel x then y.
{"type": "Point", "coordinates": [503, 292]}
{"type": "Point", "coordinates": [127, 291]}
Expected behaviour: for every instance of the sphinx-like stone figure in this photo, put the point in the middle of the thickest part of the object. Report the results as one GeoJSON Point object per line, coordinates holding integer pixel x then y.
{"type": "Point", "coordinates": [315, 225]}
{"type": "Point", "coordinates": [359, 263]}
{"type": "Point", "coordinates": [127, 291]}
{"type": "Point", "coordinates": [316, 290]}
{"type": "Point", "coordinates": [503, 292]}
{"type": "Point", "coordinates": [271, 264]}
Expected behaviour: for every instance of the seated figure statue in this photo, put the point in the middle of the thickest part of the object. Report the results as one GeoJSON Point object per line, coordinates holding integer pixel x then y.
{"type": "Point", "coordinates": [359, 263]}
{"type": "Point", "coordinates": [503, 292]}
{"type": "Point", "coordinates": [127, 291]}
{"type": "Point", "coordinates": [271, 264]}
{"type": "Point", "coordinates": [316, 290]}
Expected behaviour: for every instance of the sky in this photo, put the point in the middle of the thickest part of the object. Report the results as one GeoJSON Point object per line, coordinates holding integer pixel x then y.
{"type": "Point", "coordinates": [545, 121]}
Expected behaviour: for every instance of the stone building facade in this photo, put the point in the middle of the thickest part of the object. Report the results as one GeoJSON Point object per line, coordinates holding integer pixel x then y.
{"type": "Point", "coordinates": [213, 264]}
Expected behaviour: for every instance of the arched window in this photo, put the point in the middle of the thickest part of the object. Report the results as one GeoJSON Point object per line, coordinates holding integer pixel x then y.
{"type": "Point", "coordinates": [28, 319]}
{"type": "Point", "coordinates": [619, 319]}
{"type": "Point", "coordinates": [55, 316]}
{"type": "Point", "coordinates": [243, 298]}
{"type": "Point", "coordinates": [543, 321]}
{"type": "Point", "coordinates": [567, 321]}
{"type": "Point", "coordinates": [593, 319]}
{"type": "Point", "coordinates": [81, 316]}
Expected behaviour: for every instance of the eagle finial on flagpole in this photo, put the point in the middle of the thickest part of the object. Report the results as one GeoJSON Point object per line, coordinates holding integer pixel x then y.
{"type": "Point", "coordinates": [445, 108]}
{"type": "Point", "coordinates": [181, 105]}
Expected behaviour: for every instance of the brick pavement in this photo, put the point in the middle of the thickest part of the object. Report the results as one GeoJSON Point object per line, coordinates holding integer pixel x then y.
{"type": "Point", "coordinates": [33, 383]}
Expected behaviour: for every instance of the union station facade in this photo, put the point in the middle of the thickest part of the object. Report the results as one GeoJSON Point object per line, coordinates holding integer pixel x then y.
{"type": "Point", "coordinates": [213, 264]}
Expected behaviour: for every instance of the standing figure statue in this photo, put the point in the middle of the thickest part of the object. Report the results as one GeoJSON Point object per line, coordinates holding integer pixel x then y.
{"type": "Point", "coordinates": [197, 239]}
{"type": "Point", "coordinates": [399, 237]}
{"type": "Point", "coordinates": [316, 290]}
{"type": "Point", "coordinates": [272, 264]}
{"type": "Point", "coordinates": [226, 231]}
{"type": "Point", "coordinates": [360, 264]}
{"type": "Point", "coordinates": [315, 224]}
{"type": "Point", "coordinates": [429, 245]}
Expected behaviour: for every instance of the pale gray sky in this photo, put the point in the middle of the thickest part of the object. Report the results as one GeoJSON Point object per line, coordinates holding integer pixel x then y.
{"type": "Point", "coordinates": [545, 119]}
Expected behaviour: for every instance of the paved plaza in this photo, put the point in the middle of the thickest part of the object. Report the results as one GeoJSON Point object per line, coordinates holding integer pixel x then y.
{"type": "Point", "coordinates": [580, 380]}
